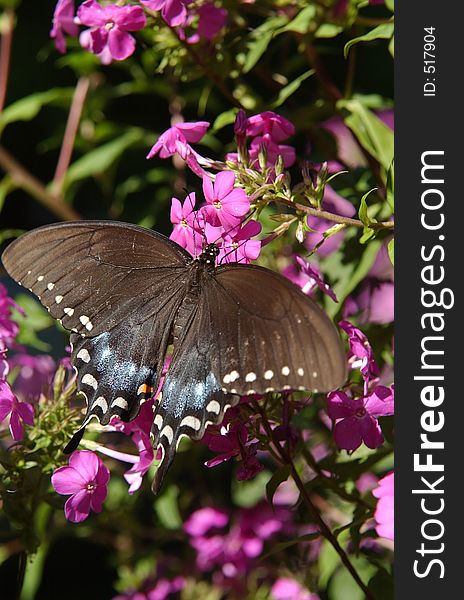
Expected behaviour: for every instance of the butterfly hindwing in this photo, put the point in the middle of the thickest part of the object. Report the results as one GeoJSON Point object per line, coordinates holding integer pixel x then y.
{"type": "Point", "coordinates": [272, 336]}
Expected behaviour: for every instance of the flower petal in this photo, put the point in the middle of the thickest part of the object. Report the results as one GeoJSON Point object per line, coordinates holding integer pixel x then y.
{"type": "Point", "coordinates": [224, 184]}
{"type": "Point", "coordinates": [77, 507]}
{"type": "Point", "coordinates": [347, 433]}
{"type": "Point", "coordinates": [86, 463]}
{"type": "Point", "coordinates": [371, 432]}
{"type": "Point", "coordinates": [67, 480]}
{"type": "Point", "coordinates": [120, 43]}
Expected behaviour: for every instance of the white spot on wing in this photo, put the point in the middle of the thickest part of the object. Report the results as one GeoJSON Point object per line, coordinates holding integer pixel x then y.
{"type": "Point", "coordinates": [168, 433]}
{"type": "Point", "coordinates": [314, 374]}
{"type": "Point", "coordinates": [89, 379]}
{"type": "Point", "coordinates": [40, 278]}
{"type": "Point", "coordinates": [300, 372]}
{"type": "Point", "coordinates": [89, 326]}
{"type": "Point", "coordinates": [84, 355]}
{"type": "Point", "coordinates": [234, 375]}
{"type": "Point", "coordinates": [214, 407]}
{"type": "Point", "coordinates": [269, 374]}
{"type": "Point", "coordinates": [58, 299]}
{"type": "Point", "coordinates": [158, 421]}
{"type": "Point", "coordinates": [51, 286]}
{"type": "Point", "coordinates": [101, 402]}
{"type": "Point", "coordinates": [84, 319]}
{"type": "Point", "coordinates": [226, 378]}
{"type": "Point", "coordinates": [285, 371]}
{"type": "Point", "coordinates": [121, 402]}
{"type": "Point", "coordinates": [191, 422]}
{"type": "Point", "coordinates": [250, 377]}
{"type": "Point", "coordinates": [68, 311]}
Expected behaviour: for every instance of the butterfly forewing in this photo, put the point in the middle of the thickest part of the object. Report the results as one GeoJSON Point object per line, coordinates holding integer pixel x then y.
{"type": "Point", "coordinates": [92, 275]}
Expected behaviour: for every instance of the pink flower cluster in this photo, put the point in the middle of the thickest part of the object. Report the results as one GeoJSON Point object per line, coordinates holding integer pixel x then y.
{"type": "Point", "coordinates": [109, 25]}
{"type": "Point", "coordinates": [10, 406]}
{"type": "Point", "coordinates": [384, 512]}
{"type": "Point", "coordinates": [356, 418]}
{"type": "Point", "coordinates": [267, 129]}
{"type": "Point", "coordinates": [229, 548]}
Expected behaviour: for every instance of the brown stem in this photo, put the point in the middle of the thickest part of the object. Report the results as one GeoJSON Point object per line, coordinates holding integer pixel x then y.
{"type": "Point", "coordinates": [323, 214]}
{"type": "Point", "coordinates": [324, 529]}
{"type": "Point", "coordinates": [5, 52]}
{"type": "Point", "coordinates": [70, 133]}
{"type": "Point", "coordinates": [26, 181]}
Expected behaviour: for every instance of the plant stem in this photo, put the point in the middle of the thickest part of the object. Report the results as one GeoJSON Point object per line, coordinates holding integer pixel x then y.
{"type": "Point", "coordinates": [323, 527]}
{"type": "Point", "coordinates": [21, 573]}
{"type": "Point", "coordinates": [69, 137]}
{"type": "Point", "coordinates": [26, 181]}
{"type": "Point", "coordinates": [5, 52]}
{"type": "Point", "coordinates": [323, 214]}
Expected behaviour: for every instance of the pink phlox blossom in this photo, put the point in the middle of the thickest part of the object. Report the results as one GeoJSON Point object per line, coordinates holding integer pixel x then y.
{"type": "Point", "coordinates": [239, 247]}
{"type": "Point", "coordinates": [210, 22]}
{"type": "Point", "coordinates": [270, 123]}
{"type": "Point", "coordinates": [314, 279]}
{"type": "Point", "coordinates": [384, 512]}
{"type": "Point", "coordinates": [289, 589]}
{"type": "Point", "coordinates": [34, 374]}
{"type": "Point", "coordinates": [19, 412]}
{"type": "Point", "coordinates": [85, 481]}
{"type": "Point", "coordinates": [109, 27]}
{"type": "Point", "coordinates": [228, 444]}
{"type": "Point", "coordinates": [8, 328]}
{"type": "Point", "coordinates": [250, 465]}
{"type": "Point", "coordinates": [162, 589]}
{"type": "Point", "coordinates": [273, 150]}
{"type": "Point", "coordinates": [63, 22]}
{"type": "Point", "coordinates": [356, 419]}
{"type": "Point", "coordinates": [373, 304]}
{"type": "Point", "coordinates": [85, 40]}
{"type": "Point", "coordinates": [186, 231]}
{"type": "Point", "coordinates": [173, 12]}
{"type": "Point", "coordinates": [225, 205]}
{"type": "Point", "coordinates": [202, 521]}
{"type": "Point", "coordinates": [362, 355]}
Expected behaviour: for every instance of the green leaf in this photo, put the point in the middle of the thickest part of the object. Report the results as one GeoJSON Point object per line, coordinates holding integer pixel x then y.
{"type": "Point", "coordinates": [391, 251]}
{"type": "Point", "coordinates": [291, 88]}
{"type": "Point", "coordinates": [301, 23]}
{"type": "Point", "coordinates": [371, 132]}
{"type": "Point", "coordinates": [36, 319]}
{"type": "Point", "coordinates": [248, 493]}
{"type": "Point", "coordinates": [27, 108]}
{"type": "Point", "coordinates": [259, 40]}
{"type": "Point", "coordinates": [167, 509]}
{"type": "Point", "coordinates": [381, 32]}
{"type": "Point", "coordinates": [328, 30]}
{"type": "Point", "coordinates": [390, 4]}
{"type": "Point", "coordinates": [225, 118]}
{"type": "Point", "coordinates": [281, 475]}
{"type": "Point", "coordinates": [362, 212]}
{"type": "Point", "coordinates": [8, 234]}
{"type": "Point", "coordinates": [7, 185]}
{"type": "Point", "coordinates": [390, 187]}
{"type": "Point", "coordinates": [102, 158]}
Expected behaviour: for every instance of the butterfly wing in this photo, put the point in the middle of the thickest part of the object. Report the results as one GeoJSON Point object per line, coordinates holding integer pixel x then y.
{"type": "Point", "coordinates": [92, 274]}
{"type": "Point", "coordinates": [274, 337]}
{"type": "Point", "coordinates": [251, 332]}
{"type": "Point", "coordinates": [118, 287]}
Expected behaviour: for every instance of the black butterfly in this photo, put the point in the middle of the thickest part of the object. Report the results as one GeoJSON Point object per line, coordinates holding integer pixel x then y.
{"type": "Point", "coordinates": [126, 293]}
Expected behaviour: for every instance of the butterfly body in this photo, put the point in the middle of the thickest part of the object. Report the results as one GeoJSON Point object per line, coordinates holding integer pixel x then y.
{"type": "Point", "coordinates": [126, 293]}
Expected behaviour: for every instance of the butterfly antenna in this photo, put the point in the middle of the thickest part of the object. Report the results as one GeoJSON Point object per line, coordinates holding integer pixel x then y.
{"type": "Point", "coordinates": [245, 219]}
{"type": "Point", "coordinates": [233, 250]}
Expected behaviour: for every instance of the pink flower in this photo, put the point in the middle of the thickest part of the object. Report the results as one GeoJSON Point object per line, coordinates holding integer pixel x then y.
{"type": "Point", "coordinates": [357, 419]}
{"type": "Point", "coordinates": [172, 11]}
{"type": "Point", "coordinates": [226, 205]}
{"type": "Point", "coordinates": [384, 513]}
{"type": "Point", "coordinates": [362, 356]}
{"type": "Point", "coordinates": [19, 412]}
{"type": "Point", "coordinates": [211, 20]}
{"type": "Point", "coordinates": [34, 375]}
{"type": "Point", "coordinates": [185, 221]}
{"type": "Point", "coordinates": [239, 247]}
{"type": "Point", "coordinates": [314, 279]}
{"type": "Point", "coordinates": [177, 140]}
{"type": "Point", "coordinates": [228, 444]}
{"type": "Point", "coordinates": [268, 122]}
{"type": "Point", "coordinates": [273, 150]}
{"type": "Point", "coordinates": [63, 22]}
{"type": "Point", "coordinates": [85, 480]}
{"type": "Point", "coordinates": [110, 25]}
{"type": "Point", "coordinates": [8, 328]}
{"type": "Point", "coordinates": [289, 589]}
{"type": "Point", "coordinates": [203, 520]}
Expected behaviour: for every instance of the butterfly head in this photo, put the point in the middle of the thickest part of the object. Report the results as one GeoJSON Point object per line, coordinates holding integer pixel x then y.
{"type": "Point", "coordinates": [209, 254]}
